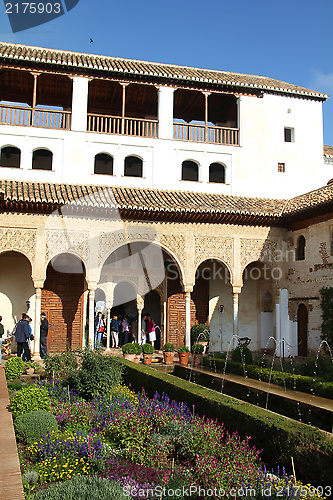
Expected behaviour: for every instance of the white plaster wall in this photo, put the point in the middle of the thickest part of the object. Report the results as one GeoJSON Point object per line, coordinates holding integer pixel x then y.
{"type": "Point", "coordinates": [251, 169]}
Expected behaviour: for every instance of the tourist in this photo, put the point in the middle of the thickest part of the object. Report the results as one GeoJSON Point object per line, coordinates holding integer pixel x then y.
{"type": "Point", "coordinates": [99, 329]}
{"type": "Point", "coordinates": [2, 331]}
{"type": "Point", "coordinates": [22, 337]}
{"type": "Point", "coordinates": [124, 331]}
{"type": "Point", "coordinates": [44, 329]}
{"type": "Point", "coordinates": [114, 327]}
{"type": "Point", "coordinates": [144, 329]}
{"type": "Point", "coordinates": [151, 330]}
{"type": "Point", "coordinates": [31, 337]}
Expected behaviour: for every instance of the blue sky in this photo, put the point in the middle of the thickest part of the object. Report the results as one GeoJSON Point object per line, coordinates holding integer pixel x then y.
{"type": "Point", "coordinates": [290, 40]}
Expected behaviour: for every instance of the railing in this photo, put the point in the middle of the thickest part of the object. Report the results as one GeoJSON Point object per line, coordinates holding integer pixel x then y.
{"type": "Point", "coordinates": [210, 134]}
{"type": "Point", "coordinates": [27, 117]}
{"type": "Point", "coordinates": [106, 124]}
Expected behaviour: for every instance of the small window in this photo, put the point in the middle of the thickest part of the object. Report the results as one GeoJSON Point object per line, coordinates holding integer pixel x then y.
{"type": "Point", "coordinates": [217, 173]}
{"type": "Point", "coordinates": [42, 159]}
{"type": "Point", "coordinates": [190, 171]}
{"type": "Point", "coordinates": [281, 167]}
{"type": "Point", "coordinates": [289, 134]}
{"type": "Point", "coordinates": [10, 157]}
{"type": "Point", "coordinates": [300, 250]}
{"type": "Point", "coordinates": [133, 166]}
{"type": "Point", "coordinates": [103, 164]}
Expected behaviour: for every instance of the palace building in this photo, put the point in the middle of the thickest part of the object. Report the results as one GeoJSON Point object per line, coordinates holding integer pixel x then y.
{"type": "Point", "coordinates": [196, 195]}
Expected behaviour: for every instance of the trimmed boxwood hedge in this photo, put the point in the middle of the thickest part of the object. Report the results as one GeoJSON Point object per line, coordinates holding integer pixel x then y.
{"type": "Point", "coordinates": [317, 387]}
{"type": "Point", "coordinates": [279, 437]}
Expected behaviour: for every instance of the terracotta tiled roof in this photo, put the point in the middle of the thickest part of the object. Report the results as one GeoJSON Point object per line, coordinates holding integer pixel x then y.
{"type": "Point", "coordinates": [319, 199]}
{"type": "Point", "coordinates": [328, 150]}
{"type": "Point", "coordinates": [90, 62]}
{"type": "Point", "coordinates": [134, 199]}
{"type": "Point", "coordinates": [168, 204]}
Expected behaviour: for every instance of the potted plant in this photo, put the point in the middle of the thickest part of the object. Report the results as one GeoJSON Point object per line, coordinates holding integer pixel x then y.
{"type": "Point", "coordinates": [197, 350]}
{"type": "Point", "coordinates": [148, 351]}
{"type": "Point", "coordinates": [138, 352]}
{"type": "Point", "coordinates": [129, 351]}
{"type": "Point", "coordinates": [183, 353]}
{"type": "Point", "coordinates": [200, 334]}
{"type": "Point", "coordinates": [168, 353]}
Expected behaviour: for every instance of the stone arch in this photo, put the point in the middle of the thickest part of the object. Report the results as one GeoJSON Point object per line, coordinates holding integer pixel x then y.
{"type": "Point", "coordinates": [63, 301]}
{"type": "Point", "coordinates": [213, 258]}
{"type": "Point", "coordinates": [158, 244]}
{"type": "Point", "coordinates": [69, 252]}
{"type": "Point", "coordinates": [17, 292]}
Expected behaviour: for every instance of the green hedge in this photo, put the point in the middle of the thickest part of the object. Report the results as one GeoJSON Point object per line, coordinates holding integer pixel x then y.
{"type": "Point", "coordinates": [279, 438]}
{"type": "Point", "coordinates": [33, 425]}
{"type": "Point", "coordinates": [304, 384]}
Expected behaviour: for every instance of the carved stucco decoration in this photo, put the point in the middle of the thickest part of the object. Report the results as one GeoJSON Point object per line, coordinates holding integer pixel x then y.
{"type": "Point", "coordinates": [176, 244]}
{"type": "Point", "coordinates": [58, 241]}
{"type": "Point", "coordinates": [254, 250]}
{"type": "Point", "coordinates": [19, 239]}
{"type": "Point", "coordinates": [213, 247]}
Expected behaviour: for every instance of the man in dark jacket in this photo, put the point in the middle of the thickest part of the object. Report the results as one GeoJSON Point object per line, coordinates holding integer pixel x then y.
{"type": "Point", "coordinates": [44, 328]}
{"type": "Point", "coordinates": [22, 336]}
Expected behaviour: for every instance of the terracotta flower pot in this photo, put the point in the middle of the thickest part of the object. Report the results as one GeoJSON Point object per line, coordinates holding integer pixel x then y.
{"type": "Point", "coordinates": [137, 358]}
{"type": "Point", "coordinates": [147, 359]}
{"type": "Point", "coordinates": [130, 357]}
{"type": "Point", "coordinates": [197, 359]}
{"type": "Point", "coordinates": [168, 357]}
{"type": "Point", "coordinates": [30, 371]}
{"type": "Point", "coordinates": [183, 358]}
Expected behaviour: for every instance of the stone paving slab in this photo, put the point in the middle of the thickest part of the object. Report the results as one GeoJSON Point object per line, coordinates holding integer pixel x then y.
{"type": "Point", "coordinates": [11, 487]}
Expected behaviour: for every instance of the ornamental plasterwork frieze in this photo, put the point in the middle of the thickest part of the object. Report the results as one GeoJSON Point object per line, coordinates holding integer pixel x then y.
{"type": "Point", "coordinates": [213, 248]}
{"type": "Point", "coordinates": [19, 239]}
{"type": "Point", "coordinates": [58, 241]}
{"type": "Point", "coordinates": [176, 244]}
{"type": "Point", "coordinates": [254, 250]}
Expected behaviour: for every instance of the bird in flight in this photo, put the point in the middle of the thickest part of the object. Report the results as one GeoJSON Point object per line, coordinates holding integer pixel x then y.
{"type": "Point", "coordinates": [91, 40]}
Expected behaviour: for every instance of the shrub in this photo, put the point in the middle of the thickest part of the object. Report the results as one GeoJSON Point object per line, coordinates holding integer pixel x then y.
{"type": "Point", "coordinates": [148, 349]}
{"type": "Point", "coordinates": [137, 347]}
{"type": "Point", "coordinates": [183, 348]}
{"type": "Point", "coordinates": [14, 368]}
{"type": "Point", "coordinates": [242, 353]}
{"type": "Point", "coordinates": [197, 348]}
{"type": "Point", "coordinates": [81, 488]}
{"type": "Point", "coordinates": [168, 347]}
{"type": "Point", "coordinates": [61, 366]}
{"type": "Point", "coordinates": [30, 398]}
{"type": "Point", "coordinates": [98, 374]}
{"type": "Point", "coordinates": [129, 348]}
{"type": "Point", "coordinates": [33, 425]}
{"type": "Point", "coordinates": [200, 332]}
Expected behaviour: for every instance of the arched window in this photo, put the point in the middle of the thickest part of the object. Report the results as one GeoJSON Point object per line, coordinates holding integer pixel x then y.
{"type": "Point", "coordinates": [103, 164]}
{"type": "Point", "coordinates": [190, 171]}
{"type": "Point", "coordinates": [10, 157]}
{"type": "Point", "coordinates": [300, 250]}
{"type": "Point", "coordinates": [42, 159]}
{"type": "Point", "coordinates": [133, 166]}
{"type": "Point", "coordinates": [217, 173]}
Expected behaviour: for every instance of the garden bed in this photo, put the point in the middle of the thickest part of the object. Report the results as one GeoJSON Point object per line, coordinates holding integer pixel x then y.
{"type": "Point", "coordinates": [90, 436]}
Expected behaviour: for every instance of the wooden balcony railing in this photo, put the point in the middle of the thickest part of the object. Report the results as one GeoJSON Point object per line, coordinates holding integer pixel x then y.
{"type": "Point", "coordinates": [27, 117]}
{"type": "Point", "coordinates": [106, 124]}
{"type": "Point", "coordinates": [209, 134]}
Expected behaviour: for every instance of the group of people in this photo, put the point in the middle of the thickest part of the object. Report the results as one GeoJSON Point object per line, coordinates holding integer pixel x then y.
{"type": "Point", "coordinates": [123, 330]}
{"type": "Point", "coordinates": [24, 336]}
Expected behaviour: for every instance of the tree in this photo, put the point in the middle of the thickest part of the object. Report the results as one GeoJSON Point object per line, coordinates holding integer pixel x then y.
{"type": "Point", "coordinates": [327, 314]}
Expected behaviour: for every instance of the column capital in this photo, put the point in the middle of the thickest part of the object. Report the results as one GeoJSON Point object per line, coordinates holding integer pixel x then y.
{"type": "Point", "coordinates": [236, 289]}
{"type": "Point", "coordinates": [188, 288]}
{"type": "Point", "coordinates": [38, 283]}
{"type": "Point", "coordinates": [92, 285]}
